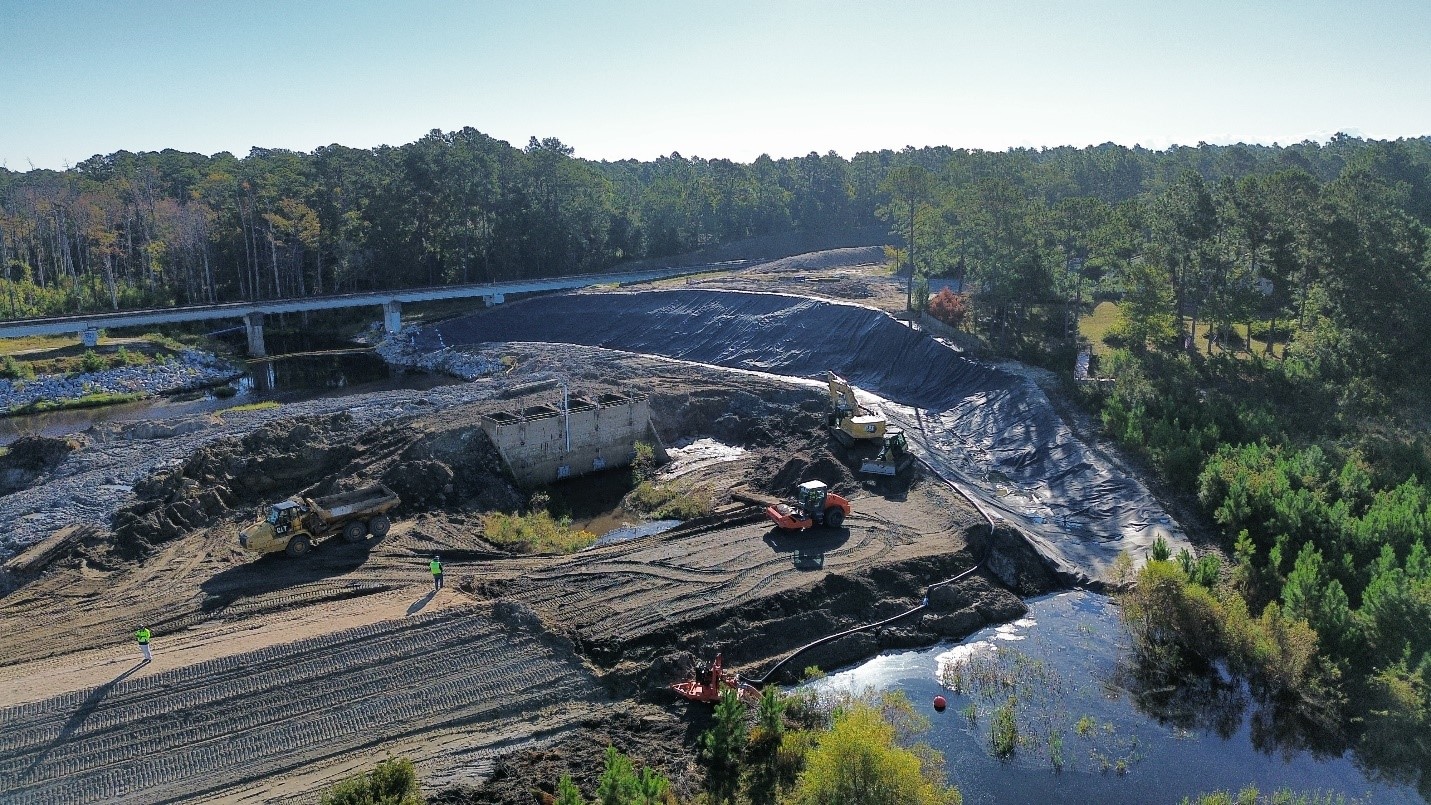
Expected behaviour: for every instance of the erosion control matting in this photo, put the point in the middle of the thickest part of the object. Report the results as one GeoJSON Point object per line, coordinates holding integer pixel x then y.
{"type": "Point", "coordinates": [970, 419]}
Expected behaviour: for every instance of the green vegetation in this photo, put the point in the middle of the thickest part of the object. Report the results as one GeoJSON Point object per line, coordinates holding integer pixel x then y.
{"type": "Point", "coordinates": [94, 400]}
{"type": "Point", "coordinates": [393, 782]}
{"type": "Point", "coordinates": [856, 750]}
{"type": "Point", "coordinates": [40, 356]}
{"type": "Point", "coordinates": [1004, 730]}
{"type": "Point", "coordinates": [537, 532]}
{"type": "Point", "coordinates": [11, 369]}
{"type": "Point", "coordinates": [1026, 700]}
{"type": "Point", "coordinates": [723, 747]}
{"type": "Point", "coordinates": [670, 501]}
{"type": "Point", "coordinates": [1251, 796]}
{"type": "Point", "coordinates": [674, 501]}
{"type": "Point", "coordinates": [859, 760]}
{"type": "Point", "coordinates": [261, 405]}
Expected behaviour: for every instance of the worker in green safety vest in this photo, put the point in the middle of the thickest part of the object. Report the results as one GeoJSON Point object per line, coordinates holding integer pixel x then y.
{"type": "Point", "coordinates": [436, 567]}
{"type": "Point", "coordinates": [142, 634]}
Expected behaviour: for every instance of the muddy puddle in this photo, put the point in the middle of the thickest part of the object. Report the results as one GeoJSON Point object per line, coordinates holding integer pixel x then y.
{"type": "Point", "coordinates": [1087, 730]}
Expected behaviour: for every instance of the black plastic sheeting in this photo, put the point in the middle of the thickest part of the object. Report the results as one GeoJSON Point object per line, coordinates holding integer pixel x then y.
{"type": "Point", "coordinates": [991, 428]}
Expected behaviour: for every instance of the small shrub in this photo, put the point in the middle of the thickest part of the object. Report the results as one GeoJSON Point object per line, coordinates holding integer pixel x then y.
{"type": "Point", "coordinates": [126, 358]}
{"type": "Point", "coordinates": [1160, 552]}
{"type": "Point", "coordinates": [949, 307]}
{"type": "Point", "coordinates": [643, 465]}
{"type": "Point", "coordinates": [393, 782]}
{"type": "Point", "coordinates": [16, 370]}
{"type": "Point", "coordinates": [92, 362]}
{"type": "Point", "coordinates": [537, 532]}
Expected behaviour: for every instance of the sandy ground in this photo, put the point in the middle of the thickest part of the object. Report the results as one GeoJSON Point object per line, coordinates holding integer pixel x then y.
{"type": "Point", "coordinates": [273, 678]}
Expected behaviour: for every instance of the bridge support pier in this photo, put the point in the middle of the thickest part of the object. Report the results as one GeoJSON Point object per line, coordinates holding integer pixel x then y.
{"type": "Point", "coordinates": [89, 337]}
{"type": "Point", "coordinates": [392, 316]}
{"type": "Point", "coordinates": [253, 325]}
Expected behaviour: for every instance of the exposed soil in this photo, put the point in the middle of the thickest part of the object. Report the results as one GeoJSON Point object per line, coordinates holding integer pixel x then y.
{"type": "Point", "coordinates": [28, 459]}
{"type": "Point", "coordinates": [274, 677]}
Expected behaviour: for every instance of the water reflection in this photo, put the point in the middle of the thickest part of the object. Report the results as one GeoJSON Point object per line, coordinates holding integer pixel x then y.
{"type": "Point", "coordinates": [1091, 729]}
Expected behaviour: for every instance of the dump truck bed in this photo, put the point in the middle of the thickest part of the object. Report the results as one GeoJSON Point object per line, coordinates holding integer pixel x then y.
{"type": "Point", "coordinates": [370, 500]}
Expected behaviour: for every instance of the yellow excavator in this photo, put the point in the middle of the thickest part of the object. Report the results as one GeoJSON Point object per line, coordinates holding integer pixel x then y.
{"type": "Point", "coordinates": [854, 424]}
{"type": "Point", "coordinates": [849, 421]}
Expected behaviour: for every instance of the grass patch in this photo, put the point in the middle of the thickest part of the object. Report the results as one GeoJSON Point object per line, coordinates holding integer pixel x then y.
{"type": "Point", "coordinates": [1097, 324]}
{"type": "Point", "coordinates": [538, 532]}
{"type": "Point", "coordinates": [1026, 702]}
{"type": "Point", "coordinates": [35, 343]}
{"type": "Point", "coordinates": [64, 356]}
{"type": "Point", "coordinates": [87, 401]}
{"type": "Point", "coordinates": [1285, 796]}
{"type": "Point", "coordinates": [265, 405]}
{"type": "Point", "coordinates": [667, 501]}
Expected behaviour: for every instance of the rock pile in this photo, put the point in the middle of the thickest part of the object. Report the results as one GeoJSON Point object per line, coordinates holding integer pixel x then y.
{"type": "Point", "coordinates": [421, 349]}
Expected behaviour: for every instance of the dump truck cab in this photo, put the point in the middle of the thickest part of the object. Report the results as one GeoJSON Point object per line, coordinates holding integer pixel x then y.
{"type": "Point", "coordinates": [280, 525]}
{"type": "Point", "coordinates": [284, 516]}
{"type": "Point", "coordinates": [814, 504]}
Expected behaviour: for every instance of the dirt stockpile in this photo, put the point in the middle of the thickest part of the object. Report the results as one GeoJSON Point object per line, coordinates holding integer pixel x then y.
{"type": "Point", "coordinates": [427, 462]}
{"type": "Point", "coordinates": [993, 427]}
{"type": "Point", "coordinates": [29, 458]}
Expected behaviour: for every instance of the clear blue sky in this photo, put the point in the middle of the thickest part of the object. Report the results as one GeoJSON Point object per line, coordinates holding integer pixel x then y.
{"type": "Point", "coordinates": [713, 79]}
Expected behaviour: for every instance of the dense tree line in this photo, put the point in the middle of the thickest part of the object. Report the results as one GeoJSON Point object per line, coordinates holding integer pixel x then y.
{"type": "Point", "coordinates": [145, 229]}
{"type": "Point", "coordinates": [1273, 356]}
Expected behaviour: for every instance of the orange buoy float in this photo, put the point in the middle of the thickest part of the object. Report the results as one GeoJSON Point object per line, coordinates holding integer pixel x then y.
{"type": "Point", "coordinates": [940, 704]}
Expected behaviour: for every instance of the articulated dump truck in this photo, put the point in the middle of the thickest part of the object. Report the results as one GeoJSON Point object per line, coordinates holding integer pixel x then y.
{"type": "Point", "coordinates": [294, 525]}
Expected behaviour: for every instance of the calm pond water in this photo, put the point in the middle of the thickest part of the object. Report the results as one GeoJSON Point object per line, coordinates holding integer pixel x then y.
{"type": "Point", "coordinates": [1117, 741]}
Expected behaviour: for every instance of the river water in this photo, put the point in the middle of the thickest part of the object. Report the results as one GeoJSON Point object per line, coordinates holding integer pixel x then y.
{"type": "Point", "coordinates": [282, 380]}
{"type": "Point", "coordinates": [1116, 740]}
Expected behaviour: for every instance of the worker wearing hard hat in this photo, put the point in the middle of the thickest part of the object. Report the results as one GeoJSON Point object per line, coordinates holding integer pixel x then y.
{"type": "Point", "coordinates": [436, 567]}
{"type": "Point", "coordinates": [142, 635]}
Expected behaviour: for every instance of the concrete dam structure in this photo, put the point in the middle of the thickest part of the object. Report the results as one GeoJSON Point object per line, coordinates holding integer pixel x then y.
{"type": "Point", "coordinates": [546, 443]}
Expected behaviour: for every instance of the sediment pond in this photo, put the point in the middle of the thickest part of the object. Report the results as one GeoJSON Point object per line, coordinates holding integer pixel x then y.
{"type": "Point", "coordinates": [1088, 731]}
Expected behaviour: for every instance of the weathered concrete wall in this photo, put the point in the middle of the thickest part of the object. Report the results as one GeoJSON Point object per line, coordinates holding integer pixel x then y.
{"type": "Point", "coordinates": [541, 444]}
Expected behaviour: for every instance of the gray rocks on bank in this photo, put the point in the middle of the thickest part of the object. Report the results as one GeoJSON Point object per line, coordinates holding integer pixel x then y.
{"type": "Point", "coordinates": [190, 370]}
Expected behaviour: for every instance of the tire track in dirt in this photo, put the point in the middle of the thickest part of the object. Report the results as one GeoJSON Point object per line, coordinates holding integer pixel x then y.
{"type": "Point", "coordinates": [242, 717]}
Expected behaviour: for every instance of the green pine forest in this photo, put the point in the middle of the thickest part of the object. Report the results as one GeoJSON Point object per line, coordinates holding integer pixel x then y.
{"type": "Point", "coordinates": [1269, 347]}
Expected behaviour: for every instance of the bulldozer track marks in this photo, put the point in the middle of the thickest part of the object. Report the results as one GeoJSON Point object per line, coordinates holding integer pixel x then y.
{"type": "Point", "coordinates": [223, 721]}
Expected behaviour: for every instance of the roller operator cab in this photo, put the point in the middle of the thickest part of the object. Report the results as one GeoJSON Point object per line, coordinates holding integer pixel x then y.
{"type": "Point", "coordinates": [814, 505]}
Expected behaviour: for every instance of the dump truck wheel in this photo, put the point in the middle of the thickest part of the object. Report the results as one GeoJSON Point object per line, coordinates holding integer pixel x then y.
{"type": "Point", "coordinates": [379, 526]}
{"type": "Point", "coordinates": [355, 531]}
{"type": "Point", "coordinates": [298, 546]}
{"type": "Point", "coordinates": [834, 517]}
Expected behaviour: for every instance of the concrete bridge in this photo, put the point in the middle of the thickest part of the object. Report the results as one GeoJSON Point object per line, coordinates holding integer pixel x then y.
{"type": "Point", "coordinates": [88, 325]}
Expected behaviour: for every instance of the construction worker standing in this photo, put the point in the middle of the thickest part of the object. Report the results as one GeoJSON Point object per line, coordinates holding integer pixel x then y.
{"type": "Point", "coordinates": [436, 567]}
{"type": "Point", "coordinates": [142, 634]}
